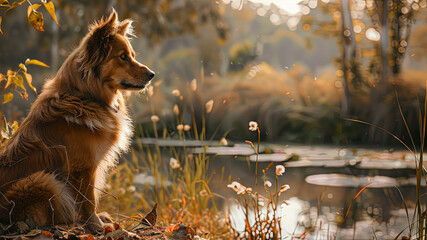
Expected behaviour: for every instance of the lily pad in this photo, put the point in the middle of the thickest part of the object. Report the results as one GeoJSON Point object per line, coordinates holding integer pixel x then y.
{"type": "Point", "coordinates": [342, 180]}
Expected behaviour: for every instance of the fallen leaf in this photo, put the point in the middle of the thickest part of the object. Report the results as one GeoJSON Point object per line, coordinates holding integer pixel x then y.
{"type": "Point", "coordinates": [36, 19]}
{"type": "Point", "coordinates": [107, 229]}
{"type": "Point", "coordinates": [116, 234]}
{"type": "Point", "coordinates": [51, 9]}
{"type": "Point", "coordinates": [117, 226]}
{"type": "Point", "coordinates": [35, 62]}
{"type": "Point", "coordinates": [47, 234]}
{"type": "Point", "coordinates": [179, 232]}
{"type": "Point", "coordinates": [33, 233]}
{"type": "Point", "coordinates": [151, 217]}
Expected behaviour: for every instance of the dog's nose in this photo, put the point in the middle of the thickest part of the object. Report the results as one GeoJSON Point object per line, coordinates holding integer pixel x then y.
{"type": "Point", "coordinates": [150, 74]}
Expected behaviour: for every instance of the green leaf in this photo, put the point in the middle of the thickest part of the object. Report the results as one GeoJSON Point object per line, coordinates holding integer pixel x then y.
{"type": "Point", "coordinates": [36, 62]}
{"type": "Point", "coordinates": [29, 79]}
{"type": "Point", "coordinates": [35, 18]}
{"type": "Point", "coordinates": [51, 9]}
{"type": "Point", "coordinates": [7, 97]}
{"type": "Point", "coordinates": [23, 67]}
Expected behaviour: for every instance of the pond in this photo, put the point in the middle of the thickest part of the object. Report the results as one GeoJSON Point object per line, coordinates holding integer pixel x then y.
{"type": "Point", "coordinates": [323, 182]}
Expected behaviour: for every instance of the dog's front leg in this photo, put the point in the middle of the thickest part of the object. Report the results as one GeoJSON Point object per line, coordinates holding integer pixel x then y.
{"type": "Point", "coordinates": [83, 183]}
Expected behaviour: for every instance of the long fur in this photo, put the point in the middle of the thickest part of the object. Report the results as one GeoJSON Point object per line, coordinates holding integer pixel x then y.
{"type": "Point", "coordinates": [77, 128]}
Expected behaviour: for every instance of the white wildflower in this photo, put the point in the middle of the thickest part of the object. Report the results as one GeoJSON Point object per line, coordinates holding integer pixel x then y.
{"type": "Point", "coordinates": [194, 85]}
{"type": "Point", "coordinates": [239, 188]}
{"type": "Point", "coordinates": [223, 141]}
{"type": "Point", "coordinates": [155, 118]}
{"type": "Point", "coordinates": [174, 163]}
{"type": "Point", "coordinates": [150, 91]}
{"type": "Point", "coordinates": [121, 191]}
{"type": "Point", "coordinates": [187, 127]}
{"type": "Point", "coordinates": [280, 169]}
{"type": "Point", "coordinates": [253, 126]}
{"type": "Point", "coordinates": [131, 189]}
{"type": "Point", "coordinates": [204, 193]}
{"type": "Point", "coordinates": [176, 109]}
{"type": "Point", "coordinates": [267, 183]}
{"type": "Point", "coordinates": [180, 127]}
{"type": "Point", "coordinates": [284, 188]}
{"type": "Point", "coordinates": [209, 106]}
{"type": "Point", "coordinates": [176, 92]}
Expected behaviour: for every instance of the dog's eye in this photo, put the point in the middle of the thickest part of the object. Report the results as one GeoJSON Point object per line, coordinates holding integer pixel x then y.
{"type": "Point", "coordinates": [124, 57]}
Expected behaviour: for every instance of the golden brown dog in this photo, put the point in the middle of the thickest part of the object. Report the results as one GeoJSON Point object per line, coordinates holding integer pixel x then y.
{"type": "Point", "coordinates": [54, 165]}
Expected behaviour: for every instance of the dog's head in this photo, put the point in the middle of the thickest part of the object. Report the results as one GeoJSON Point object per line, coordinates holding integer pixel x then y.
{"type": "Point", "coordinates": [108, 56]}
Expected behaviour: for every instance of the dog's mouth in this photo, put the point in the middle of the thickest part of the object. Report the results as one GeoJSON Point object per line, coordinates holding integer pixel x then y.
{"type": "Point", "coordinates": [127, 85]}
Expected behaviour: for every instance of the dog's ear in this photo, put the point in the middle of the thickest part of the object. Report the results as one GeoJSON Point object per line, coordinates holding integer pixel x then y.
{"type": "Point", "coordinates": [125, 28]}
{"type": "Point", "coordinates": [98, 43]}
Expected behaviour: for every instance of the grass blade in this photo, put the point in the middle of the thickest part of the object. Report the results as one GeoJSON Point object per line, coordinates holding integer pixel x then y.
{"type": "Point", "coordinates": [348, 210]}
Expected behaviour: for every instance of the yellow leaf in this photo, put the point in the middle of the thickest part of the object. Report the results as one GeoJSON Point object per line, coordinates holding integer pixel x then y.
{"type": "Point", "coordinates": [23, 67]}
{"type": "Point", "coordinates": [29, 79]}
{"type": "Point", "coordinates": [2, 77]}
{"type": "Point", "coordinates": [36, 19]}
{"type": "Point", "coordinates": [51, 9]}
{"type": "Point", "coordinates": [35, 62]}
{"type": "Point", "coordinates": [5, 3]}
{"type": "Point", "coordinates": [15, 4]}
{"type": "Point", "coordinates": [9, 81]}
{"type": "Point", "coordinates": [15, 126]}
{"type": "Point", "coordinates": [31, 8]}
{"type": "Point", "coordinates": [19, 81]}
{"type": "Point", "coordinates": [10, 72]}
{"type": "Point", "coordinates": [0, 27]}
{"type": "Point", "coordinates": [7, 97]}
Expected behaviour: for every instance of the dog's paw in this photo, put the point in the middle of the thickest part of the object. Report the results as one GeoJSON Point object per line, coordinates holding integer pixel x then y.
{"type": "Point", "coordinates": [94, 224]}
{"type": "Point", "coordinates": [105, 217]}
{"type": "Point", "coordinates": [93, 228]}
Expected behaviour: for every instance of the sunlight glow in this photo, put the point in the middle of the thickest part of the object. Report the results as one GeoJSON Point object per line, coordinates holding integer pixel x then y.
{"type": "Point", "coordinates": [372, 34]}
{"type": "Point", "coordinates": [290, 7]}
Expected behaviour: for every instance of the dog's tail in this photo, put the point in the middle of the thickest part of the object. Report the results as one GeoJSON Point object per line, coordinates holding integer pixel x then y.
{"type": "Point", "coordinates": [41, 197]}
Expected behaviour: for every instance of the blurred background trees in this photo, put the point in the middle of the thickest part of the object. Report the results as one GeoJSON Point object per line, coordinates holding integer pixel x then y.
{"type": "Point", "coordinates": [297, 67]}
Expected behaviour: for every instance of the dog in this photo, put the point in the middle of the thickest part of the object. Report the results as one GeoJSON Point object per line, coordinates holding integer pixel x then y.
{"type": "Point", "coordinates": [54, 166]}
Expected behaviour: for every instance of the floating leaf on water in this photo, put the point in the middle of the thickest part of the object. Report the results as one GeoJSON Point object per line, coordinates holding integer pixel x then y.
{"type": "Point", "coordinates": [36, 62]}
{"type": "Point", "coordinates": [35, 18]}
{"type": "Point", "coordinates": [51, 9]}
